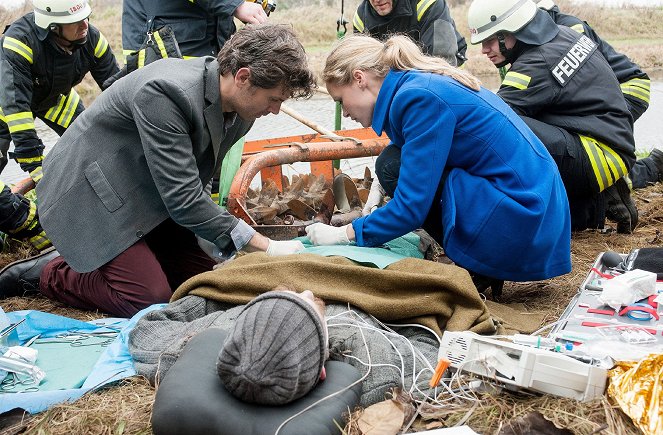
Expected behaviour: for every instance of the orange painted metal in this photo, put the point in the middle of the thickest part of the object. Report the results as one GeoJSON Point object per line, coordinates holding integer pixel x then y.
{"type": "Point", "coordinates": [291, 153]}
{"type": "Point", "coordinates": [324, 168]}
{"type": "Point", "coordinates": [275, 174]}
{"type": "Point", "coordinates": [256, 146]}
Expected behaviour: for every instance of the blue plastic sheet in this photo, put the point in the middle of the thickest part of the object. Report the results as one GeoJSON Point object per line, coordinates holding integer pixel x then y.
{"type": "Point", "coordinates": [113, 364]}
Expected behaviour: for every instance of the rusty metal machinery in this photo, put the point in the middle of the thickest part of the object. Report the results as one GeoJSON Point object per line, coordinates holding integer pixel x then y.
{"type": "Point", "coordinates": [269, 162]}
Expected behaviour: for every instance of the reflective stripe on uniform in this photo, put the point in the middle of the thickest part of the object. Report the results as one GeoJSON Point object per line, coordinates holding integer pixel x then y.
{"type": "Point", "coordinates": [53, 112]}
{"type": "Point", "coordinates": [40, 241]}
{"type": "Point", "coordinates": [578, 28]}
{"type": "Point", "coordinates": [608, 167]}
{"type": "Point", "coordinates": [422, 7]}
{"type": "Point", "coordinates": [126, 53]}
{"type": "Point", "coordinates": [63, 112]}
{"type": "Point", "coordinates": [70, 108]}
{"type": "Point", "coordinates": [37, 174]}
{"type": "Point", "coordinates": [2, 186]}
{"type": "Point", "coordinates": [638, 88]}
{"type": "Point", "coordinates": [36, 159]}
{"type": "Point", "coordinates": [19, 121]}
{"type": "Point", "coordinates": [160, 44]}
{"type": "Point", "coordinates": [29, 221]}
{"type": "Point", "coordinates": [141, 58]}
{"type": "Point", "coordinates": [357, 22]}
{"type": "Point", "coordinates": [215, 197]}
{"type": "Point", "coordinates": [102, 46]}
{"type": "Point", "coordinates": [17, 46]}
{"type": "Point", "coordinates": [517, 80]}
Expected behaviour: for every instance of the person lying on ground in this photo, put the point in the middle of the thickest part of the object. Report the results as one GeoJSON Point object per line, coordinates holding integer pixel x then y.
{"type": "Point", "coordinates": [418, 299]}
{"type": "Point", "coordinates": [462, 165]}
{"type": "Point", "coordinates": [276, 349]}
{"type": "Point", "coordinates": [564, 90]}
{"type": "Point", "coordinates": [124, 216]}
{"type": "Point", "coordinates": [280, 325]}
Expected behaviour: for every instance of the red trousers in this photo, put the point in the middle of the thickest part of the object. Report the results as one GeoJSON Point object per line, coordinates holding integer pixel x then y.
{"type": "Point", "coordinates": [146, 273]}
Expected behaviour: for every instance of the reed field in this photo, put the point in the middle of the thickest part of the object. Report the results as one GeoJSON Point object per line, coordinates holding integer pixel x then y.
{"type": "Point", "coordinates": [125, 408]}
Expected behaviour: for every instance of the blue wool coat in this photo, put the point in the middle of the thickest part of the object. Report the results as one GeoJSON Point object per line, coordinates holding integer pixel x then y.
{"type": "Point", "coordinates": [505, 213]}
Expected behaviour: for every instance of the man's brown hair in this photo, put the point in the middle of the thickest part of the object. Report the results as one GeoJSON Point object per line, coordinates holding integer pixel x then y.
{"type": "Point", "coordinates": [274, 56]}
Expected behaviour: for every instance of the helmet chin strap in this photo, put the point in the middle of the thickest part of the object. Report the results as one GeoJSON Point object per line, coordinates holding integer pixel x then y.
{"type": "Point", "coordinates": [506, 52]}
{"type": "Point", "coordinates": [57, 29]}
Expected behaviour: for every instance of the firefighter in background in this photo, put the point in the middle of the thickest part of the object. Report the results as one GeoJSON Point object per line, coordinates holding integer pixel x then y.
{"type": "Point", "coordinates": [635, 85]}
{"type": "Point", "coordinates": [43, 55]}
{"type": "Point", "coordinates": [200, 26]}
{"type": "Point", "coordinates": [564, 90]}
{"type": "Point", "coordinates": [428, 22]}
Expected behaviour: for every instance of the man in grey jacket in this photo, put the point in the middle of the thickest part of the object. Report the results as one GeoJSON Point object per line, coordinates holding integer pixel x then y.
{"type": "Point", "coordinates": [123, 194]}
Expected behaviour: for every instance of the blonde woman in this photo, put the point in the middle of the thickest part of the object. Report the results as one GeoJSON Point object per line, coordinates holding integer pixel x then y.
{"type": "Point", "coordinates": [462, 165]}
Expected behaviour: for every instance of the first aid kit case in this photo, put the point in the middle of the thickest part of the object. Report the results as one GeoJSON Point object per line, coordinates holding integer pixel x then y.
{"type": "Point", "coordinates": [586, 314]}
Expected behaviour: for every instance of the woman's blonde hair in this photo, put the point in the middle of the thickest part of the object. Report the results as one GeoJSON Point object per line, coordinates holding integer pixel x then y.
{"type": "Point", "coordinates": [399, 52]}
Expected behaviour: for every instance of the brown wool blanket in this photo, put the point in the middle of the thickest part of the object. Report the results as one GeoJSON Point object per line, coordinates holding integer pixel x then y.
{"type": "Point", "coordinates": [439, 296]}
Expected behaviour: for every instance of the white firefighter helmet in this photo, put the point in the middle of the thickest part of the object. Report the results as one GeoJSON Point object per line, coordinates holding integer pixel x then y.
{"type": "Point", "coordinates": [49, 12]}
{"type": "Point", "coordinates": [546, 5]}
{"type": "Point", "coordinates": [488, 17]}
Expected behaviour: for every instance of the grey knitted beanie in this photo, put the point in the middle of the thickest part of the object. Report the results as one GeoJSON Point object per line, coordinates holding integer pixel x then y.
{"type": "Point", "coordinates": [275, 352]}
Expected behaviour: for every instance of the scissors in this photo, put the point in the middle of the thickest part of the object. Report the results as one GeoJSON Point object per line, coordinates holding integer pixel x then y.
{"type": "Point", "coordinates": [8, 385]}
{"type": "Point", "coordinates": [79, 339]}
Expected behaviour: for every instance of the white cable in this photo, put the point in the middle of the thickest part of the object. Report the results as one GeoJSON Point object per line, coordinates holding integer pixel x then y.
{"type": "Point", "coordinates": [416, 375]}
{"type": "Point", "coordinates": [333, 394]}
{"type": "Point", "coordinates": [548, 326]}
{"type": "Point", "coordinates": [415, 352]}
{"type": "Point", "coordinates": [398, 325]}
{"type": "Point", "coordinates": [360, 323]}
{"type": "Point", "coordinates": [412, 348]}
{"type": "Point", "coordinates": [382, 333]}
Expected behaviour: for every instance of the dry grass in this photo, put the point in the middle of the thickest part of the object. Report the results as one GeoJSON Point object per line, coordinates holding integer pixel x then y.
{"type": "Point", "coordinates": [124, 408]}
{"type": "Point", "coordinates": [127, 406]}
{"type": "Point", "coordinates": [12, 11]}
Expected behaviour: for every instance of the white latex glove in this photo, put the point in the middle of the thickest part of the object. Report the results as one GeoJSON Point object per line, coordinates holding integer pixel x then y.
{"type": "Point", "coordinates": [325, 235]}
{"type": "Point", "coordinates": [284, 247]}
{"type": "Point", "coordinates": [374, 199]}
{"type": "Point", "coordinates": [250, 13]}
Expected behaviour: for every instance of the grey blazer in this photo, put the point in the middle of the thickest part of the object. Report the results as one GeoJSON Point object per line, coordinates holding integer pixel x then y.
{"type": "Point", "coordinates": [142, 153]}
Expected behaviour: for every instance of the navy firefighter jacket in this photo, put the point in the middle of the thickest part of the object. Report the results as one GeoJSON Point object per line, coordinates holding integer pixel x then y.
{"type": "Point", "coordinates": [201, 27]}
{"type": "Point", "coordinates": [37, 79]}
{"type": "Point", "coordinates": [567, 83]}
{"type": "Point", "coordinates": [634, 82]}
{"type": "Point", "coordinates": [425, 21]}
{"type": "Point", "coordinates": [504, 209]}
